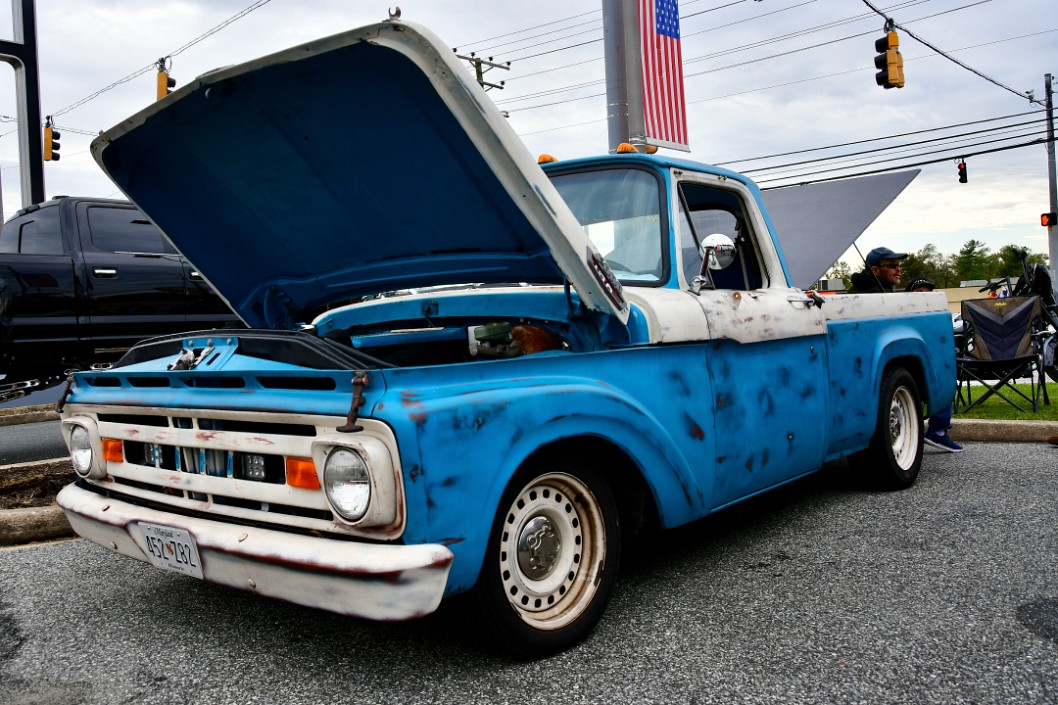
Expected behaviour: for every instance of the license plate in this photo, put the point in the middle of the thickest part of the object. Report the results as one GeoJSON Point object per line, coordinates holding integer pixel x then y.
{"type": "Point", "coordinates": [171, 549]}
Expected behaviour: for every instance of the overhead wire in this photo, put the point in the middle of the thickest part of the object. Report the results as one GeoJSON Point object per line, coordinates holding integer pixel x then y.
{"type": "Point", "coordinates": [153, 65]}
{"type": "Point", "coordinates": [554, 91]}
{"type": "Point", "coordinates": [966, 155]}
{"type": "Point", "coordinates": [919, 39]}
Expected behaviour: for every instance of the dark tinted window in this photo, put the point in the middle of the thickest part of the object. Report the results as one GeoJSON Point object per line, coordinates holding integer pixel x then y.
{"type": "Point", "coordinates": [35, 233]}
{"type": "Point", "coordinates": [714, 210]}
{"type": "Point", "coordinates": [125, 230]}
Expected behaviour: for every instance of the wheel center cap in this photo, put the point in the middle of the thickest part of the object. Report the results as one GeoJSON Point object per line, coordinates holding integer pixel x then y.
{"type": "Point", "coordinates": [538, 548]}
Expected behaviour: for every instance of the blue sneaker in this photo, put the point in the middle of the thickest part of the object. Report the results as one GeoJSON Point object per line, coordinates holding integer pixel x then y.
{"type": "Point", "coordinates": [943, 442]}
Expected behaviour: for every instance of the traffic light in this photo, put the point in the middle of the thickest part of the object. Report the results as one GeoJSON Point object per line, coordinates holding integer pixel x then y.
{"type": "Point", "coordinates": [51, 142]}
{"type": "Point", "coordinates": [889, 61]}
{"type": "Point", "coordinates": [1049, 220]}
{"type": "Point", "coordinates": [962, 172]}
{"type": "Point", "coordinates": [166, 83]}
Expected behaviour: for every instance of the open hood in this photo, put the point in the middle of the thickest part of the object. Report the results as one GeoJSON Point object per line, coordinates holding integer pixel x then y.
{"type": "Point", "coordinates": [366, 162]}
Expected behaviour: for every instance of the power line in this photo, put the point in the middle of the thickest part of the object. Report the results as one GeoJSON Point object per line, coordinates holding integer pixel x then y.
{"type": "Point", "coordinates": [529, 29]}
{"type": "Point", "coordinates": [154, 64]}
{"type": "Point", "coordinates": [840, 163]}
{"type": "Point", "coordinates": [967, 155]}
{"type": "Point", "coordinates": [554, 91]}
{"type": "Point", "coordinates": [946, 55]}
{"type": "Point", "coordinates": [878, 139]}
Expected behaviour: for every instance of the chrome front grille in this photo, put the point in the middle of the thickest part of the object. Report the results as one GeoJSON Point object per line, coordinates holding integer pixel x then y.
{"type": "Point", "coordinates": [230, 464]}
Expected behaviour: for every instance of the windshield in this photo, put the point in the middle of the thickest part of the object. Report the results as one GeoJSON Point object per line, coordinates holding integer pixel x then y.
{"type": "Point", "coordinates": [620, 210]}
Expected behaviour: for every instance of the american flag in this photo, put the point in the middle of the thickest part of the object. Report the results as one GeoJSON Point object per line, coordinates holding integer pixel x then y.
{"type": "Point", "coordinates": [664, 109]}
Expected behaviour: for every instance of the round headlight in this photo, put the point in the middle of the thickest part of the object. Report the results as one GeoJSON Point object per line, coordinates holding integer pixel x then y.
{"type": "Point", "coordinates": [348, 483]}
{"type": "Point", "coordinates": [81, 450]}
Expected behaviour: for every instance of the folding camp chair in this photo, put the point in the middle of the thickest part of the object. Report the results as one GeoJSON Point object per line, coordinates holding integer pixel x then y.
{"type": "Point", "coordinates": [1001, 349]}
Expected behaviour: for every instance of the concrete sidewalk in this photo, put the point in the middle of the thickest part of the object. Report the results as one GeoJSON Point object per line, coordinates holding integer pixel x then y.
{"type": "Point", "coordinates": [19, 526]}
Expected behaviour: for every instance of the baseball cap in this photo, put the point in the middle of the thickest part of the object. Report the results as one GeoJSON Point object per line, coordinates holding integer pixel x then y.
{"type": "Point", "coordinates": [920, 282]}
{"type": "Point", "coordinates": [879, 253]}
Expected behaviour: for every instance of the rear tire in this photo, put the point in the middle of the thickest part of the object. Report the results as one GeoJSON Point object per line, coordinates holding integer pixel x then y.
{"type": "Point", "coordinates": [551, 561]}
{"type": "Point", "coordinates": [894, 455]}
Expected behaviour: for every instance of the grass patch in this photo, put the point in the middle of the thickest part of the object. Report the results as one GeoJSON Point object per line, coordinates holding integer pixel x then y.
{"type": "Point", "coordinates": [996, 409]}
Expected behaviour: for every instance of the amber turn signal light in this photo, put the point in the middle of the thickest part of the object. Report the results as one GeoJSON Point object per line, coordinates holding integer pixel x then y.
{"type": "Point", "coordinates": [112, 450]}
{"type": "Point", "coordinates": [301, 472]}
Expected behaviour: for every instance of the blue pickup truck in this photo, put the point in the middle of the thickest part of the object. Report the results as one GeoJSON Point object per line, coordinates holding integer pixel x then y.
{"type": "Point", "coordinates": [463, 370]}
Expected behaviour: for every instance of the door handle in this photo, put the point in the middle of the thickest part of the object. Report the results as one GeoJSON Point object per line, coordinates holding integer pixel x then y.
{"type": "Point", "coordinates": [808, 300]}
{"type": "Point", "coordinates": [105, 272]}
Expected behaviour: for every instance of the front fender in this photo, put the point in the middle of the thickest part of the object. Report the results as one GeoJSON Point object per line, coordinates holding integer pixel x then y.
{"type": "Point", "coordinates": [460, 447]}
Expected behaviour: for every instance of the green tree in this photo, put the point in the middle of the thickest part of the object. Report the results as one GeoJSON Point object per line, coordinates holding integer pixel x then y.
{"type": "Point", "coordinates": [1007, 262]}
{"type": "Point", "coordinates": [928, 263]}
{"type": "Point", "coordinates": [973, 261]}
{"type": "Point", "coordinates": [840, 270]}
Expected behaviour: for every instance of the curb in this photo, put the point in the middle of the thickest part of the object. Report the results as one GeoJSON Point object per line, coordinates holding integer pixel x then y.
{"type": "Point", "coordinates": [20, 526]}
{"type": "Point", "coordinates": [28, 414]}
{"type": "Point", "coordinates": [1003, 431]}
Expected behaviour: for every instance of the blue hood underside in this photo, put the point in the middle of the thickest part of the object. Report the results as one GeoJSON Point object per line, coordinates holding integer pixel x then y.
{"type": "Point", "coordinates": [298, 185]}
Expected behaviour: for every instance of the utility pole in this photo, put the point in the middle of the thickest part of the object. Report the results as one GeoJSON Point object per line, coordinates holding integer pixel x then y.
{"type": "Point", "coordinates": [481, 67]}
{"type": "Point", "coordinates": [1052, 232]}
{"type": "Point", "coordinates": [22, 55]}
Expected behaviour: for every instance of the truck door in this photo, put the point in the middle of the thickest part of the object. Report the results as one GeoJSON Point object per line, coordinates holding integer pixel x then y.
{"type": "Point", "coordinates": [135, 278]}
{"type": "Point", "coordinates": [38, 295]}
{"type": "Point", "coordinates": [766, 355]}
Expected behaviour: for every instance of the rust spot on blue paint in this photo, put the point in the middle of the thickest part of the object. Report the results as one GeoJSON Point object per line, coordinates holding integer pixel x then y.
{"type": "Point", "coordinates": [720, 459]}
{"type": "Point", "coordinates": [785, 374]}
{"type": "Point", "coordinates": [415, 473]}
{"type": "Point", "coordinates": [857, 366]}
{"type": "Point", "coordinates": [749, 464]}
{"type": "Point", "coordinates": [451, 541]}
{"type": "Point", "coordinates": [808, 391]}
{"type": "Point", "coordinates": [680, 383]}
{"type": "Point", "coordinates": [693, 428]}
{"type": "Point", "coordinates": [766, 402]}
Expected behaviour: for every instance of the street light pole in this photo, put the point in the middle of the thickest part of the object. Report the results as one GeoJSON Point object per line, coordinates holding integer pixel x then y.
{"type": "Point", "coordinates": [1052, 231]}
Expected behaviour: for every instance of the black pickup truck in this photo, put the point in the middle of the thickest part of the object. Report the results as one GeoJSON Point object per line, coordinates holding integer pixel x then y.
{"type": "Point", "coordinates": [83, 279]}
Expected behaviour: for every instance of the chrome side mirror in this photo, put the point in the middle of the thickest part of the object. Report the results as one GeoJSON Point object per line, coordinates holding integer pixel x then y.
{"type": "Point", "coordinates": [718, 252]}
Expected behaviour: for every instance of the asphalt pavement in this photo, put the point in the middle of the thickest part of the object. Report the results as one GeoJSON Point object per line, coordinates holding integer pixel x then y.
{"type": "Point", "coordinates": [45, 523]}
{"type": "Point", "coordinates": [823, 592]}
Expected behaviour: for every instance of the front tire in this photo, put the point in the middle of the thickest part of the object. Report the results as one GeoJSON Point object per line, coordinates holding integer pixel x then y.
{"type": "Point", "coordinates": [552, 559]}
{"type": "Point", "coordinates": [894, 455]}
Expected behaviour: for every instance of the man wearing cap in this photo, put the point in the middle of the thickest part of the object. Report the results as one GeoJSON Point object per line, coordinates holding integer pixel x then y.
{"type": "Point", "coordinates": [881, 274]}
{"type": "Point", "coordinates": [938, 424]}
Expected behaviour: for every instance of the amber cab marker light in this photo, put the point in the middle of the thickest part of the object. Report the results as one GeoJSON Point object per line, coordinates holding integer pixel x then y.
{"type": "Point", "coordinates": [301, 472]}
{"type": "Point", "coordinates": [545, 159]}
{"type": "Point", "coordinates": [626, 148]}
{"type": "Point", "coordinates": [112, 450]}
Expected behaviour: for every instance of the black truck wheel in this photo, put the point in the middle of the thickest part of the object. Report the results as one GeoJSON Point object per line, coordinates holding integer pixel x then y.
{"type": "Point", "coordinates": [894, 455]}
{"type": "Point", "coordinates": [552, 559]}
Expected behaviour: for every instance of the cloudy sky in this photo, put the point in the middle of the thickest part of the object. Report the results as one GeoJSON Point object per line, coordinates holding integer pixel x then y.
{"type": "Point", "coordinates": [763, 77]}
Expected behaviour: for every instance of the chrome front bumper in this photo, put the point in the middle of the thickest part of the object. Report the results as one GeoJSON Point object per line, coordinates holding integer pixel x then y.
{"type": "Point", "coordinates": [373, 581]}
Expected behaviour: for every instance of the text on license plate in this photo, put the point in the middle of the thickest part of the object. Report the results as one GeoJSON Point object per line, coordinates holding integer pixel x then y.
{"type": "Point", "coordinates": [172, 549]}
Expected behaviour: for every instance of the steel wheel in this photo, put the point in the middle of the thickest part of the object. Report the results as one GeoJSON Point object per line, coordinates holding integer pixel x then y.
{"type": "Point", "coordinates": [551, 551]}
{"type": "Point", "coordinates": [904, 428]}
{"type": "Point", "coordinates": [894, 454]}
{"type": "Point", "coordinates": [551, 561]}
